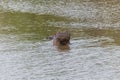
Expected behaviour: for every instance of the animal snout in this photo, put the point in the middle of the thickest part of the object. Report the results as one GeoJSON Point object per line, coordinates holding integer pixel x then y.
{"type": "Point", "coordinates": [64, 41]}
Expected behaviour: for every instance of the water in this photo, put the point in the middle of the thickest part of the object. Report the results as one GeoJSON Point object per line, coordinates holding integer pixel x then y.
{"type": "Point", "coordinates": [26, 54]}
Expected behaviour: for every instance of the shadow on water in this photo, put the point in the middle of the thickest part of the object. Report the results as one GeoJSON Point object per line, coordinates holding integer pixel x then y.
{"type": "Point", "coordinates": [36, 27]}
{"type": "Point", "coordinates": [31, 26]}
{"type": "Point", "coordinates": [110, 32]}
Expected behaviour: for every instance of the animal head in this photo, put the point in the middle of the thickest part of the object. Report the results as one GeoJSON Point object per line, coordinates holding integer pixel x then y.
{"type": "Point", "coordinates": [62, 38]}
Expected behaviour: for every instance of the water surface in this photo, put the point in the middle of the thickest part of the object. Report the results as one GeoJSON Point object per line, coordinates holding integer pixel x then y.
{"type": "Point", "coordinates": [26, 54]}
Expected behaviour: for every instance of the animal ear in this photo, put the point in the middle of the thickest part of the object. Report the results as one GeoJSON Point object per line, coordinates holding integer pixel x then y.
{"type": "Point", "coordinates": [57, 32]}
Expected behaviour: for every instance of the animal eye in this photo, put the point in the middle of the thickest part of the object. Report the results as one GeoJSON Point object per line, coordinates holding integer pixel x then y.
{"type": "Point", "coordinates": [58, 38]}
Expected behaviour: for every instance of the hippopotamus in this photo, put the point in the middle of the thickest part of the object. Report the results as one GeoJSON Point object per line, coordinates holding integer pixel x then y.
{"type": "Point", "coordinates": [61, 39]}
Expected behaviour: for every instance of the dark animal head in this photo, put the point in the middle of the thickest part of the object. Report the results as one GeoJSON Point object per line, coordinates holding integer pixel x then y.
{"type": "Point", "coordinates": [63, 38]}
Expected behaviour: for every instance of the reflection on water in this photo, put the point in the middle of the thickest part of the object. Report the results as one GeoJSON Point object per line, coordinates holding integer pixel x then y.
{"type": "Point", "coordinates": [26, 54]}
{"type": "Point", "coordinates": [63, 48]}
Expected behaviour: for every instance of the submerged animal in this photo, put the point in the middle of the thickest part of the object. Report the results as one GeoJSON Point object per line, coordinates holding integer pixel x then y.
{"type": "Point", "coordinates": [61, 39]}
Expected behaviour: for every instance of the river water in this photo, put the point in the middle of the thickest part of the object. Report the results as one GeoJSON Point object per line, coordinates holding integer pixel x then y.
{"type": "Point", "coordinates": [26, 54]}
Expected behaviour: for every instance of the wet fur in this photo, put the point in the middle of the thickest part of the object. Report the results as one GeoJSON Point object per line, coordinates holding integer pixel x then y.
{"type": "Point", "coordinates": [61, 39]}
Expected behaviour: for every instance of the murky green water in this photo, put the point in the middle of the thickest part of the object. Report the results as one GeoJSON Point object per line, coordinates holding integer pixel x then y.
{"type": "Point", "coordinates": [26, 54]}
